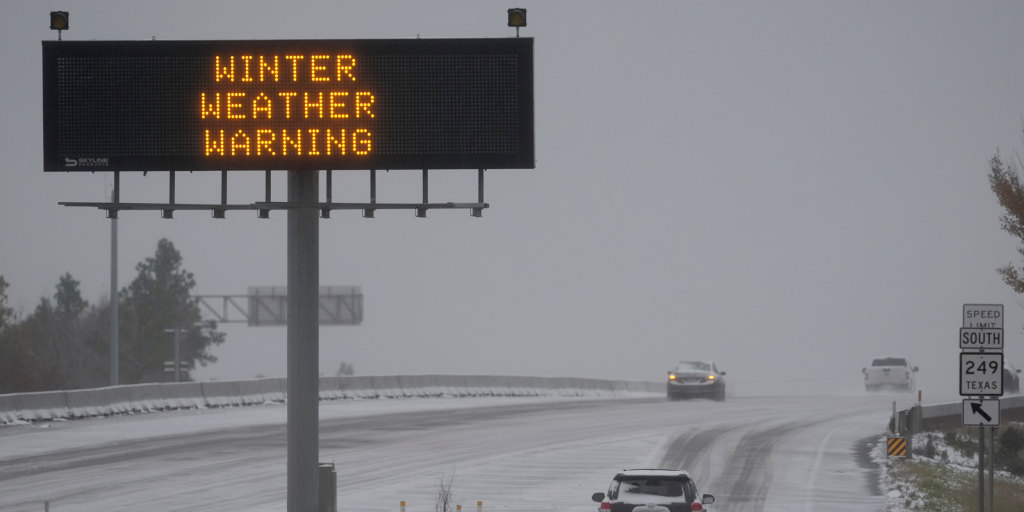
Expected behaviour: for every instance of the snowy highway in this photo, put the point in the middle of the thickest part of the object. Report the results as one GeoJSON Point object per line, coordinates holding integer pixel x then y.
{"type": "Point", "coordinates": [755, 454]}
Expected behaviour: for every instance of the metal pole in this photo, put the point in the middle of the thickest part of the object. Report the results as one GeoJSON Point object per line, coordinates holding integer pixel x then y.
{"type": "Point", "coordinates": [895, 419]}
{"type": "Point", "coordinates": [114, 331]}
{"type": "Point", "coordinates": [981, 469]}
{"type": "Point", "coordinates": [177, 355]}
{"type": "Point", "coordinates": [991, 468]}
{"type": "Point", "coordinates": [303, 342]}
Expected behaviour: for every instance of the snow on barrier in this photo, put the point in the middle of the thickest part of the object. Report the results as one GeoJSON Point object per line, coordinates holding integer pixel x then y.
{"type": "Point", "coordinates": [226, 393]}
{"type": "Point", "coordinates": [182, 395]}
{"type": "Point", "coordinates": [80, 403]}
{"type": "Point", "coordinates": [244, 392]}
{"type": "Point", "coordinates": [351, 387]}
{"type": "Point", "coordinates": [145, 398]}
{"type": "Point", "coordinates": [7, 409]}
{"type": "Point", "coordinates": [330, 388]}
{"type": "Point", "coordinates": [422, 386]}
{"type": "Point", "coordinates": [387, 386]}
{"type": "Point", "coordinates": [448, 384]}
{"type": "Point", "coordinates": [45, 405]}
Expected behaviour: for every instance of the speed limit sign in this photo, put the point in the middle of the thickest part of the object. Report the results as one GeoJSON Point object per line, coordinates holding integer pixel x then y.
{"type": "Point", "coordinates": [981, 374]}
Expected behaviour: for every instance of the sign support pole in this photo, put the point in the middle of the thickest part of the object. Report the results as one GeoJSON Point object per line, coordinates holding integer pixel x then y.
{"type": "Point", "coordinates": [115, 369]}
{"type": "Point", "coordinates": [303, 341]}
{"type": "Point", "coordinates": [981, 469]}
{"type": "Point", "coordinates": [992, 469]}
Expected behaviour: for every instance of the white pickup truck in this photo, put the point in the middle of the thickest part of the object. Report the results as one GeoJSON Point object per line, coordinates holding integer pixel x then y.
{"type": "Point", "coordinates": [891, 373]}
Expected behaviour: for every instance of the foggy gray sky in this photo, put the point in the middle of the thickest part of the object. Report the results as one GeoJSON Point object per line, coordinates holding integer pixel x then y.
{"type": "Point", "coordinates": [788, 188]}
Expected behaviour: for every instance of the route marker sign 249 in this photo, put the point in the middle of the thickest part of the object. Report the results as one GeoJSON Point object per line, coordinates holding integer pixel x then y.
{"type": "Point", "coordinates": [981, 374]}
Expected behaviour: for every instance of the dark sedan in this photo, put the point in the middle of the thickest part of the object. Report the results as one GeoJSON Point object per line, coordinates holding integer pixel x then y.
{"type": "Point", "coordinates": [696, 379]}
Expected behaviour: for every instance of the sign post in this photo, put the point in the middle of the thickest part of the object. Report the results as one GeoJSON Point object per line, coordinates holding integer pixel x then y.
{"type": "Point", "coordinates": [981, 375]}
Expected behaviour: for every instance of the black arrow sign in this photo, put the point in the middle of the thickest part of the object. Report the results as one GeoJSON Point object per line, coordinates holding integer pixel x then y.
{"type": "Point", "coordinates": [976, 408]}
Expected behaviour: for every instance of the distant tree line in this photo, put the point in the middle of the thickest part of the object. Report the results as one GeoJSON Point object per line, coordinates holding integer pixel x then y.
{"type": "Point", "coordinates": [65, 342]}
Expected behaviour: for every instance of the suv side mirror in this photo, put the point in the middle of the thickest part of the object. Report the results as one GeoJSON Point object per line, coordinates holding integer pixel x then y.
{"type": "Point", "coordinates": [707, 499]}
{"type": "Point", "coordinates": [722, 374]}
{"type": "Point", "coordinates": [915, 368]}
{"type": "Point", "coordinates": [597, 497]}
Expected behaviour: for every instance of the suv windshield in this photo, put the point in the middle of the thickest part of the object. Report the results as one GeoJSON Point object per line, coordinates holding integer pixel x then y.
{"type": "Point", "coordinates": [693, 365]}
{"type": "Point", "coordinates": [634, 488]}
{"type": "Point", "coordinates": [889, 361]}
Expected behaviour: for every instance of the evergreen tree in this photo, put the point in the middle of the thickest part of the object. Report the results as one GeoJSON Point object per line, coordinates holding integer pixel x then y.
{"type": "Point", "coordinates": [50, 346]}
{"type": "Point", "coordinates": [158, 300]}
{"type": "Point", "coordinates": [345, 369]}
{"type": "Point", "coordinates": [6, 313]}
{"type": "Point", "coordinates": [70, 304]}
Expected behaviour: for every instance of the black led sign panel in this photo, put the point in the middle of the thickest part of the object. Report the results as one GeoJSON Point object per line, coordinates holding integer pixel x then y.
{"type": "Point", "coordinates": [288, 104]}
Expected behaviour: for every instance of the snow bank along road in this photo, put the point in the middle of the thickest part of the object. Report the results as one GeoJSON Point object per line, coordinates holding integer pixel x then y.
{"type": "Point", "coordinates": [755, 454]}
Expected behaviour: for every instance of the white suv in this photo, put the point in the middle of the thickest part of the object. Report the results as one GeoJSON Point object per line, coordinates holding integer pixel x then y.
{"type": "Point", "coordinates": [649, 489]}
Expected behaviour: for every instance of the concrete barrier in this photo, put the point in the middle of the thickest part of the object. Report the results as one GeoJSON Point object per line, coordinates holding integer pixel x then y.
{"type": "Point", "coordinates": [272, 390]}
{"type": "Point", "coordinates": [418, 386]}
{"type": "Point", "coordinates": [387, 386]}
{"type": "Point", "coordinates": [330, 388]}
{"type": "Point", "coordinates": [507, 385]}
{"type": "Point", "coordinates": [448, 384]}
{"type": "Point", "coordinates": [182, 395]}
{"type": "Point", "coordinates": [83, 403]}
{"type": "Point", "coordinates": [223, 393]}
{"type": "Point", "coordinates": [356, 387]}
{"type": "Point", "coordinates": [477, 385]}
{"type": "Point", "coordinates": [146, 397]}
{"type": "Point", "coordinates": [44, 405]}
{"type": "Point", "coordinates": [7, 409]}
{"type": "Point", "coordinates": [160, 396]}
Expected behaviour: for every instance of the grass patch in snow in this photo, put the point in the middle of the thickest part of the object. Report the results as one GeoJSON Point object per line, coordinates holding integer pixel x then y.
{"type": "Point", "coordinates": [946, 479]}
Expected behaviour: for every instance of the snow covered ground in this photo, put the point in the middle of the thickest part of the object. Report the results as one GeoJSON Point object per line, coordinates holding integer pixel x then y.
{"type": "Point", "coordinates": [756, 454]}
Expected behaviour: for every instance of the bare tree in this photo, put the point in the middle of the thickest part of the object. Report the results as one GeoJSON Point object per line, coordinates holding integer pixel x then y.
{"type": "Point", "coordinates": [445, 494]}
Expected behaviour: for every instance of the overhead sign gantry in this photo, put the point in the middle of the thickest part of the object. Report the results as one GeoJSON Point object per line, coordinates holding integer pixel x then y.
{"type": "Point", "coordinates": [295, 105]}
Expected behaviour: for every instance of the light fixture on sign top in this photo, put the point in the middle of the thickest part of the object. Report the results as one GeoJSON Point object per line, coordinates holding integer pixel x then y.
{"type": "Point", "coordinates": [517, 18]}
{"type": "Point", "coordinates": [58, 21]}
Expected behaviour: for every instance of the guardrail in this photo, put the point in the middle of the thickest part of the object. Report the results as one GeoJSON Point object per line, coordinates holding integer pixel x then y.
{"type": "Point", "coordinates": [81, 403]}
{"type": "Point", "coordinates": [950, 415]}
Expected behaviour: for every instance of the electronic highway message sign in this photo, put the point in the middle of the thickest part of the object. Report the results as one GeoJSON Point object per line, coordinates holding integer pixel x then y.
{"type": "Point", "coordinates": [288, 104]}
